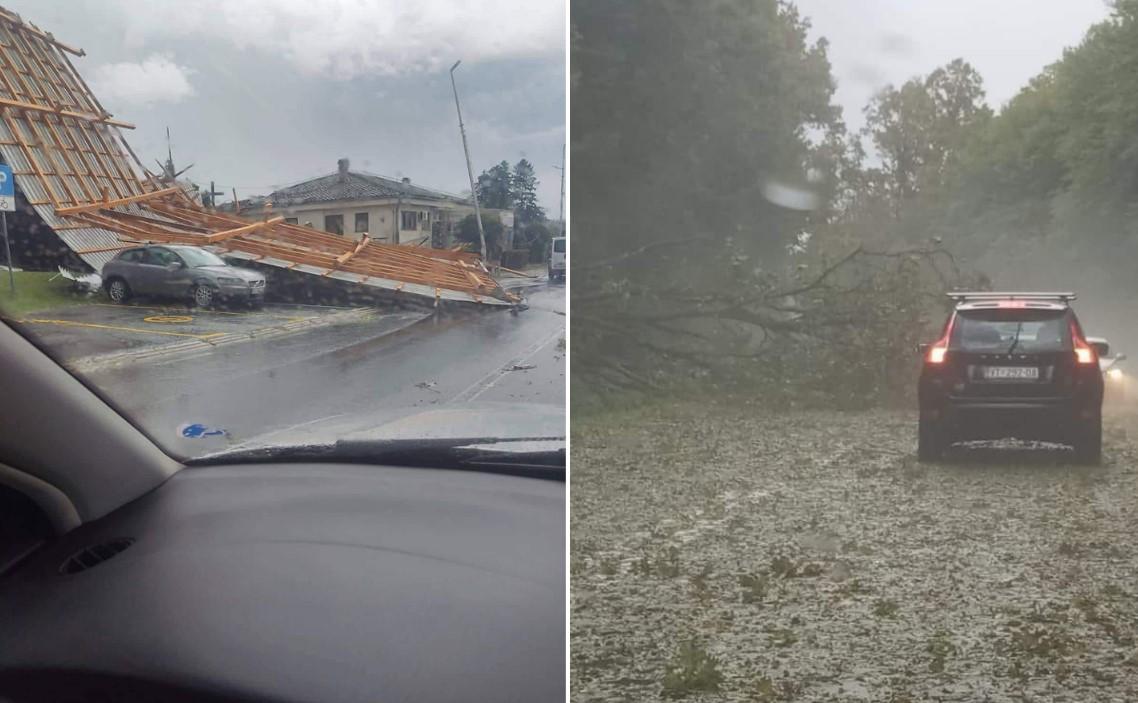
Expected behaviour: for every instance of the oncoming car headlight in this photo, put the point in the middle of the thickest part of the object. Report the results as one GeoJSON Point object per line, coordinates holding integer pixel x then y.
{"type": "Point", "coordinates": [1115, 374]}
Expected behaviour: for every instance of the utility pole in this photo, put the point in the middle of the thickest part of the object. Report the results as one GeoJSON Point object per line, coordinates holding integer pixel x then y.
{"type": "Point", "coordinates": [213, 193]}
{"type": "Point", "coordinates": [562, 169]}
{"type": "Point", "coordinates": [469, 169]}
{"type": "Point", "coordinates": [8, 251]}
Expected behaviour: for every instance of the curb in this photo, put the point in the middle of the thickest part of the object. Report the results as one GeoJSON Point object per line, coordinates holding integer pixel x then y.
{"type": "Point", "coordinates": [103, 361]}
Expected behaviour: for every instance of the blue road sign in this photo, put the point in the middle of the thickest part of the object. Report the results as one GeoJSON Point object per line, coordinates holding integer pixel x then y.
{"type": "Point", "coordinates": [7, 189]}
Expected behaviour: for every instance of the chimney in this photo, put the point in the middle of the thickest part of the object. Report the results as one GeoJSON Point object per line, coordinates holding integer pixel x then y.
{"type": "Point", "coordinates": [406, 181]}
{"type": "Point", "coordinates": [342, 168]}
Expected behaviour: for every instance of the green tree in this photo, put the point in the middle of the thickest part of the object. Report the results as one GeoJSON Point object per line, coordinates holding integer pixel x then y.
{"type": "Point", "coordinates": [524, 188]}
{"type": "Point", "coordinates": [536, 238]}
{"type": "Point", "coordinates": [919, 129]}
{"type": "Point", "coordinates": [685, 116]}
{"type": "Point", "coordinates": [495, 187]}
{"type": "Point", "coordinates": [491, 225]}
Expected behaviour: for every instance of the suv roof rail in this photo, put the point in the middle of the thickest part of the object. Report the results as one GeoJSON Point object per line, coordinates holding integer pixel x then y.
{"type": "Point", "coordinates": [962, 296]}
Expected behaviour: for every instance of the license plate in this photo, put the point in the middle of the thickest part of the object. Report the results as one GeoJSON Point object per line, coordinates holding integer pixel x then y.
{"type": "Point", "coordinates": [1011, 373]}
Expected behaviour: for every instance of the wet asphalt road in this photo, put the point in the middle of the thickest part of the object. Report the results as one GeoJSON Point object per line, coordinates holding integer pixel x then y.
{"type": "Point", "coordinates": [102, 327]}
{"type": "Point", "coordinates": [251, 389]}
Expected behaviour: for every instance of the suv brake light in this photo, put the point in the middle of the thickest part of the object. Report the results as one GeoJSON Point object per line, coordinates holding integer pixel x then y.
{"type": "Point", "coordinates": [1084, 353]}
{"type": "Point", "coordinates": [939, 350]}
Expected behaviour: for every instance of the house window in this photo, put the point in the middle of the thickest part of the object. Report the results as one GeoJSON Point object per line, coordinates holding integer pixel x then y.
{"type": "Point", "coordinates": [361, 221]}
{"type": "Point", "coordinates": [410, 219]}
{"type": "Point", "coordinates": [334, 224]}
{"type": "Point", "coordinates": [291, 221]}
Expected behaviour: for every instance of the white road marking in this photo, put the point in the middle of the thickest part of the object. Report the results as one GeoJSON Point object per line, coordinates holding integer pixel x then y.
{"type": "Point", "coordinates": [474, 390]}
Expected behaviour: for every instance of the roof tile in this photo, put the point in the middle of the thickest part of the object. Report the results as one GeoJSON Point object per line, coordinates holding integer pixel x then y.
{"type": "Point", "coordinates": [356, 186]}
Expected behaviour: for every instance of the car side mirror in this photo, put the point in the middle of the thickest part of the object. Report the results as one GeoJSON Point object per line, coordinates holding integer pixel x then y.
{"type": "Point", "coordinates": [174, 265]}
{"type": "Point", "coordinates": [923, 348]}
{"type": "Point", "coordinates": [1101, 348]}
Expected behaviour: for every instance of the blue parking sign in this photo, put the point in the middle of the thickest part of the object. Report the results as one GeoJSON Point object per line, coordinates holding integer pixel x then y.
{"type": "Point", "coordinates": [7, 189]}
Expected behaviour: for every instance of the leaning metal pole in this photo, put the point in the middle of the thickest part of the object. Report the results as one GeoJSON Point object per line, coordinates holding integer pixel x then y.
{"type": "Point", "coordinates": [469, 170]}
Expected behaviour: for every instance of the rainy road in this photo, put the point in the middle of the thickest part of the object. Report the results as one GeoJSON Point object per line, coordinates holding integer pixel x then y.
{"type": "Point", "coordinates": [251, 389]}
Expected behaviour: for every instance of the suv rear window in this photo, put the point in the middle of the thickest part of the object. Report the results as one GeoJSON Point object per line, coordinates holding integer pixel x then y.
{"type": "Point", "coordinates": [997, 330]}
{"type": "Point", "coordinates": [559, 246]}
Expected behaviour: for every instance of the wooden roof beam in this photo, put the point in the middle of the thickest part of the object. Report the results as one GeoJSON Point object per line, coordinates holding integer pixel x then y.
{"type": "Point", "coordinates": [86, 117]}
{"type": "Point", "coordinates": [14, 19]}
{"type": "Point", "coordinates": [230, 233]}
{"type": "Point", "coordinates": [129, 229]}
{"type": "Point", "coordinates": [144, 220]}
{"type": "Point", "coordinates": [112, 219]}
{"type": "Point", "coordinates": [103, 250]}
{"type": "Point", "coordinates": [344, 258]}
{"type": "Point", "coordinates": [107, 204]}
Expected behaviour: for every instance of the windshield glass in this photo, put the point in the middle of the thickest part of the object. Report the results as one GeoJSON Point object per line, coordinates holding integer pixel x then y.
{"type": "Point", "coordinates": [559, 246]}
{"type": "Point", "coordinates": [364, 298]}
{"type": "Point", "coordinates": [199, 257]}
{"type": "Point", "coordinates": [996, 332]}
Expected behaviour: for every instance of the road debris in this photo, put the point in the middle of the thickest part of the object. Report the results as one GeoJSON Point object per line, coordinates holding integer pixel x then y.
{"type": "Point", "coordinates": [809, 550]}
{"type": "Point", "coordinates": [82, 282]}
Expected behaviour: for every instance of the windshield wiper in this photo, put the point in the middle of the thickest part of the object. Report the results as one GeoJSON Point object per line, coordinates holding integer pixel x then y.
{"type": "Point", "coordinates": [1015, 342]}
{"type": "Point", "coordinates": [490, 454]}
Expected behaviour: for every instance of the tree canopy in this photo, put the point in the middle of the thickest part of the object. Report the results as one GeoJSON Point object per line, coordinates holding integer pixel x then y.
{"type": "Point", "coordinates": [524, 189]}
{"type": "Point", "coordinates": [705, 141]}
{"type": "Point", "coordinates": [684, 114]}
{"type": "Point", "coordinates": [501, 188]}
{"type": "Point", "coordinates": [496, 187]}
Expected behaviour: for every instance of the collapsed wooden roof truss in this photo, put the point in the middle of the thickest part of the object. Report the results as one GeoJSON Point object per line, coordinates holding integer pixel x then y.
{"type": "Point", "coordinates": [75, 168]}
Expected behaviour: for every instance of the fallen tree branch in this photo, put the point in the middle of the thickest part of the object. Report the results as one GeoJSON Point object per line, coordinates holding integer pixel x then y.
{"type": "Point", "coordinates": [586, 266]}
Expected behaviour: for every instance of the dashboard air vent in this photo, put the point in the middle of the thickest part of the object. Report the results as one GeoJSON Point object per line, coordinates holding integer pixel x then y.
{"type": "Point", "coordinates": [94, 555]}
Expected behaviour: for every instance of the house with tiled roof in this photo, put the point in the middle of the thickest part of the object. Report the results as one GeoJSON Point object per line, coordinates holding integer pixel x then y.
{"type": "Point", "coordinates": [350, 204]}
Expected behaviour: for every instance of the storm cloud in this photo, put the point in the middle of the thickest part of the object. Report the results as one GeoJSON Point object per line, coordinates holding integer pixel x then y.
{"type": "Point", "coordinates": [263, 93]}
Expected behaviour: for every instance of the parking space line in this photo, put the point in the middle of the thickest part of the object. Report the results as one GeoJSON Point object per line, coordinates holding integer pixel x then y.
{"type": "Point", "coordinates": [73, 323]}
{"type": "Point", "coordinates": [165, 308]}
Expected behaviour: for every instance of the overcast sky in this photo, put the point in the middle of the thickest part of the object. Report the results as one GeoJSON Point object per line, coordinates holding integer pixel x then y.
{"type": "Point", "coordinates": [874, 43]}
{"type": "Point", "coordinates": [264, 93]}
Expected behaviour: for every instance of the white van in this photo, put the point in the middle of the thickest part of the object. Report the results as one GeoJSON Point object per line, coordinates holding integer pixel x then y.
{"type": "Point", "coordinates": [557, 259]}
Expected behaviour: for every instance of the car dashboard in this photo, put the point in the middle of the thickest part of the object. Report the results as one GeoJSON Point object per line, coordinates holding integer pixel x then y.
{"type": "Point", "coordinates": [298, 582]}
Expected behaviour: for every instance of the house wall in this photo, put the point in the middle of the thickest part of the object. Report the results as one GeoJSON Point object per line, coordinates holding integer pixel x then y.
{"type": "Point", "coordinates": [381, 218]}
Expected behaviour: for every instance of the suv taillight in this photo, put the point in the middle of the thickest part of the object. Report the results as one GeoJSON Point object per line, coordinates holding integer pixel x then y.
{"type": "Point", "coordinates": [1084, 353]}
{"type": "Point", "coordinates": [939, 350]}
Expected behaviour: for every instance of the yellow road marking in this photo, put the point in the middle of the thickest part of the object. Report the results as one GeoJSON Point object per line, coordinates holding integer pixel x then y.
{"type": "Point", "coordinates": [164, 309]}
{"type": "Point", "coordinates": [290, 318]}
{"type": "Point", "coordinates": [168, 319]}
{"type": "Point", "coordinates": [73, 323]}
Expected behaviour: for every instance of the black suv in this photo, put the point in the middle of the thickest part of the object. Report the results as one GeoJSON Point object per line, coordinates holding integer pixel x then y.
{"type": "Point", "coordinates": [1011, 365]}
